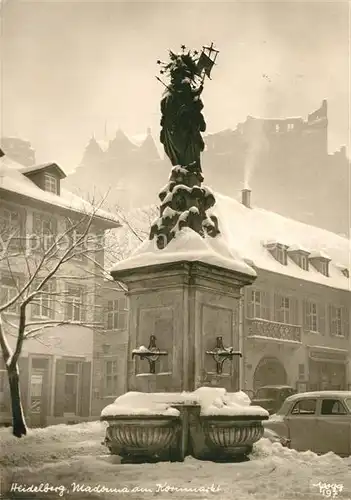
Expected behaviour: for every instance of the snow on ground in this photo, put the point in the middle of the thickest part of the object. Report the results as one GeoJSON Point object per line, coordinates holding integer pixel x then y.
{"type": "Point", "coordinates": [66, 456]}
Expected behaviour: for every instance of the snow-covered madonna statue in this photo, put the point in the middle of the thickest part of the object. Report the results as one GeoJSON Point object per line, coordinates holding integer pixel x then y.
{"type": "Point", "coordinates": [183, 390]}
{"type": "Point", "coordinates": [184, 202]}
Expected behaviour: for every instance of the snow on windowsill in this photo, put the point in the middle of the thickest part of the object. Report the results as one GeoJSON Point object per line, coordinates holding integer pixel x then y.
{"type": "Point", "coordinates": [187, 246]}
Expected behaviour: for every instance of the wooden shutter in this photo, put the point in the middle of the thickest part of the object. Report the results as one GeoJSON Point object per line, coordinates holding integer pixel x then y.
{"type": "Point", "coordinates": [321, 311]}
{"type": "Point", "coordinates": [305, 314]}
{"type": "Point", "coordinates": [85, 392]}
{"type": "Point", "coordinates": [346, 322]}
{"type": "Point", "coordinates": [249, 304]}
{"type": "Point", "coordinates": [277, 303]}
{"type": "Point", "coordinates": [330, 320]}
{"type": "Point", "coordinates": [60, 387]}
{"type": "Point", "coordinates": [266, 310]}
{"type": "Point", "coordinates": [294, 311]}
{"type": "Point", "coordinates": [23, 365]}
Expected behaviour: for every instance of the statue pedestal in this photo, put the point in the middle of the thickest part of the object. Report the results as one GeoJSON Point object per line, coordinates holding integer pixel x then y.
{"type": "Point", "coordinates": [186, 306]}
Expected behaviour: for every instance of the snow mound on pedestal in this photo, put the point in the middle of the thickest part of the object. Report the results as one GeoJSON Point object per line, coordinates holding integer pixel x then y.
{"type": "Point", "coordinates": [213, 401]}
{"type": "Point", "coordinates": [139, 403]}
{"type": "Point", "coordinates": [217, 401]}
{"type": "Point", "coordinates": [187, 246]}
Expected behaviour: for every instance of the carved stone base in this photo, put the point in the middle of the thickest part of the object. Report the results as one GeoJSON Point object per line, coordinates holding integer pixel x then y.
{"type": "Point", "coordinates": [139, 439]}
{"type": "Point", "coordinates": [150, 439]}
{"type": "Point", "coordinates": [229, 437]}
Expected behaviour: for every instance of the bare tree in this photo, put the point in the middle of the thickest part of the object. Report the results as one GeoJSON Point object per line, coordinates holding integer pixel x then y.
{"type": "Point", "coordinates": [43, 259]}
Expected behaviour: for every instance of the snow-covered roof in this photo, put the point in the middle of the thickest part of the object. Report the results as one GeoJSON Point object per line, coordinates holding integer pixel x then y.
{"type": "Point", "coordinates": [245, 231]}
{"type": "Point", "coordinates": [13, 180]}
{"type": "Point", "coordinates": [36, 168]}
{"type": "Point", "coordinates": [246, 228]}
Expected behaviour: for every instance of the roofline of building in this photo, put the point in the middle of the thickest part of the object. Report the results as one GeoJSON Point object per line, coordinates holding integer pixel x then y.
{"type": "Point", "coordinates": [29, 200]}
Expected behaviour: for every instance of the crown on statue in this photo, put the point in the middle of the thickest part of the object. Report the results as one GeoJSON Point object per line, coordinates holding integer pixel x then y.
{"type": "Point", "coordinates": [189, 63]}
{"type": "Point", "coordinates": [181, 64]}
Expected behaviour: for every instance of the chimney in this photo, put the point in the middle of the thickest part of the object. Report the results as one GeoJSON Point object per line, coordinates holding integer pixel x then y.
{"type": "Point", "coordinates": [246, 197]}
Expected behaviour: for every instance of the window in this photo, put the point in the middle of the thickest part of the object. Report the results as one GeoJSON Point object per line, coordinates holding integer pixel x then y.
{"type": "Point", "coordinates": [9, 290]}
{"type": "Point", "coordinates": [110, 378]}
{"type": "Point", "coordinates": [324, 268]}
{"type": "Point", "coordinates": [45, 229]}
{"type": "Point", "coordinates": [71, 387]}
{"type": "Point", "coordinates": [117, 314]}
{"type": "Point", "coordinates": [301, 371]}
{"type": "Point", "coordinates": [312, 317]}
{"type": "Point", "coordinates": [10, 226]}
{"type": "Point", "coordinates": [43, 303]}
{"type": "Point", "coordinates": [78, 238]}
{"type": "Point", "coordinates": [283, 310]}
{"type": "Point", "coordinates": [51, 183]}
{"type": "Point", "coordinates": [332, 407]}
{"type": "Point", "coordinates": [75, 304]}
{"type": "Point", "coordinates": [281, 255]}
{"type": "Point", "coordinates": [290, 127]}
{"type": "Point", "coordinates": [305, 407]}
{"type": "Point", "coordinates": [277, 127]}
{"type": "Point", "coordinates": [345, 272]}
{"type": "Point", "coordinates": [336, 321]}
{"type": "Point", "coordinates": [304, 262]}
{"type": "Point", "coordinates": [257, 304]}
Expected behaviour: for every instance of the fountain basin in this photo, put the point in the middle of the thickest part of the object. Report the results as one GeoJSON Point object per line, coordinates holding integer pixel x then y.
{"type": "Point", "coordinates": [228, 436]}
{"type": "Point", "coordinates": [209, 424]}
{"type": "Point", "coordinates": [141, 438]}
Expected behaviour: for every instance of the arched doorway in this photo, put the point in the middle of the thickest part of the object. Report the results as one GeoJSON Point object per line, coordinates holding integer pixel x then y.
{"type": "Point", "coordinates": [269, 371]}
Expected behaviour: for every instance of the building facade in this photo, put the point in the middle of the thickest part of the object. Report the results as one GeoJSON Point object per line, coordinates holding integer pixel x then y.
{"type": "Point", "coordinates": [56, 362]}
{"type": "Point", "coordinates": [294, 322]}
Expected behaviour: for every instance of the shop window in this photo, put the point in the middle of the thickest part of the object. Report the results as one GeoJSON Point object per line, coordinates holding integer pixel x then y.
{"type": "Point", "coordinates": [305, 407]}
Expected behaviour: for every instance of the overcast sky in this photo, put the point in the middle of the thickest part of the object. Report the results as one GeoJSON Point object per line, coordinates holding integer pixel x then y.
{"type": "Point", "coordinates": [67, 67]}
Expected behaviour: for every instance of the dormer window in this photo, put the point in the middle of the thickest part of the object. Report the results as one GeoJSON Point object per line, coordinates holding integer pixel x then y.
{"type": "Point", "coordinates": [304, 262]}
{"type": "Point", "coordinates": [345, 272]}
{"type": "Point", "coordinates": [320, 261]}
{"type": "Point", "coordinates": [299, 256]}
{"type": "Point", "coordinates": [50, 183]}
{"type": "Point", "coordinates": [47, 177]}
{"type": "Point", "coordinates": [279, 251]}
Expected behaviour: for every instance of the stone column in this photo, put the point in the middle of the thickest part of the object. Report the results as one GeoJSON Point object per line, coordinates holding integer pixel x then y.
{"type": "Point", "coordinates": [186, 305]}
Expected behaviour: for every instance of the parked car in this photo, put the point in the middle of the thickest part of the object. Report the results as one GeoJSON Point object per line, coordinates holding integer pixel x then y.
{"type": "Point", "coordinates": [317, 421]}
{"type": "Point", "coordinates": [271, 397]}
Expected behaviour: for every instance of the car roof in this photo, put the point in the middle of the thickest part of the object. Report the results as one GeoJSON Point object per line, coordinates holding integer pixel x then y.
{"type": "Point", "coordinates": [275, 387]}
{"type": "Point", "coordinates": [320, 394]}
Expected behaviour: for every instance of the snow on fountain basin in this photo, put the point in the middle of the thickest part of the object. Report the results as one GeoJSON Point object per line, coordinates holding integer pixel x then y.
{"type": "Point", "coordinates": [213, 401]}
{"type": "Point", "coordinates": [187, 246]}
